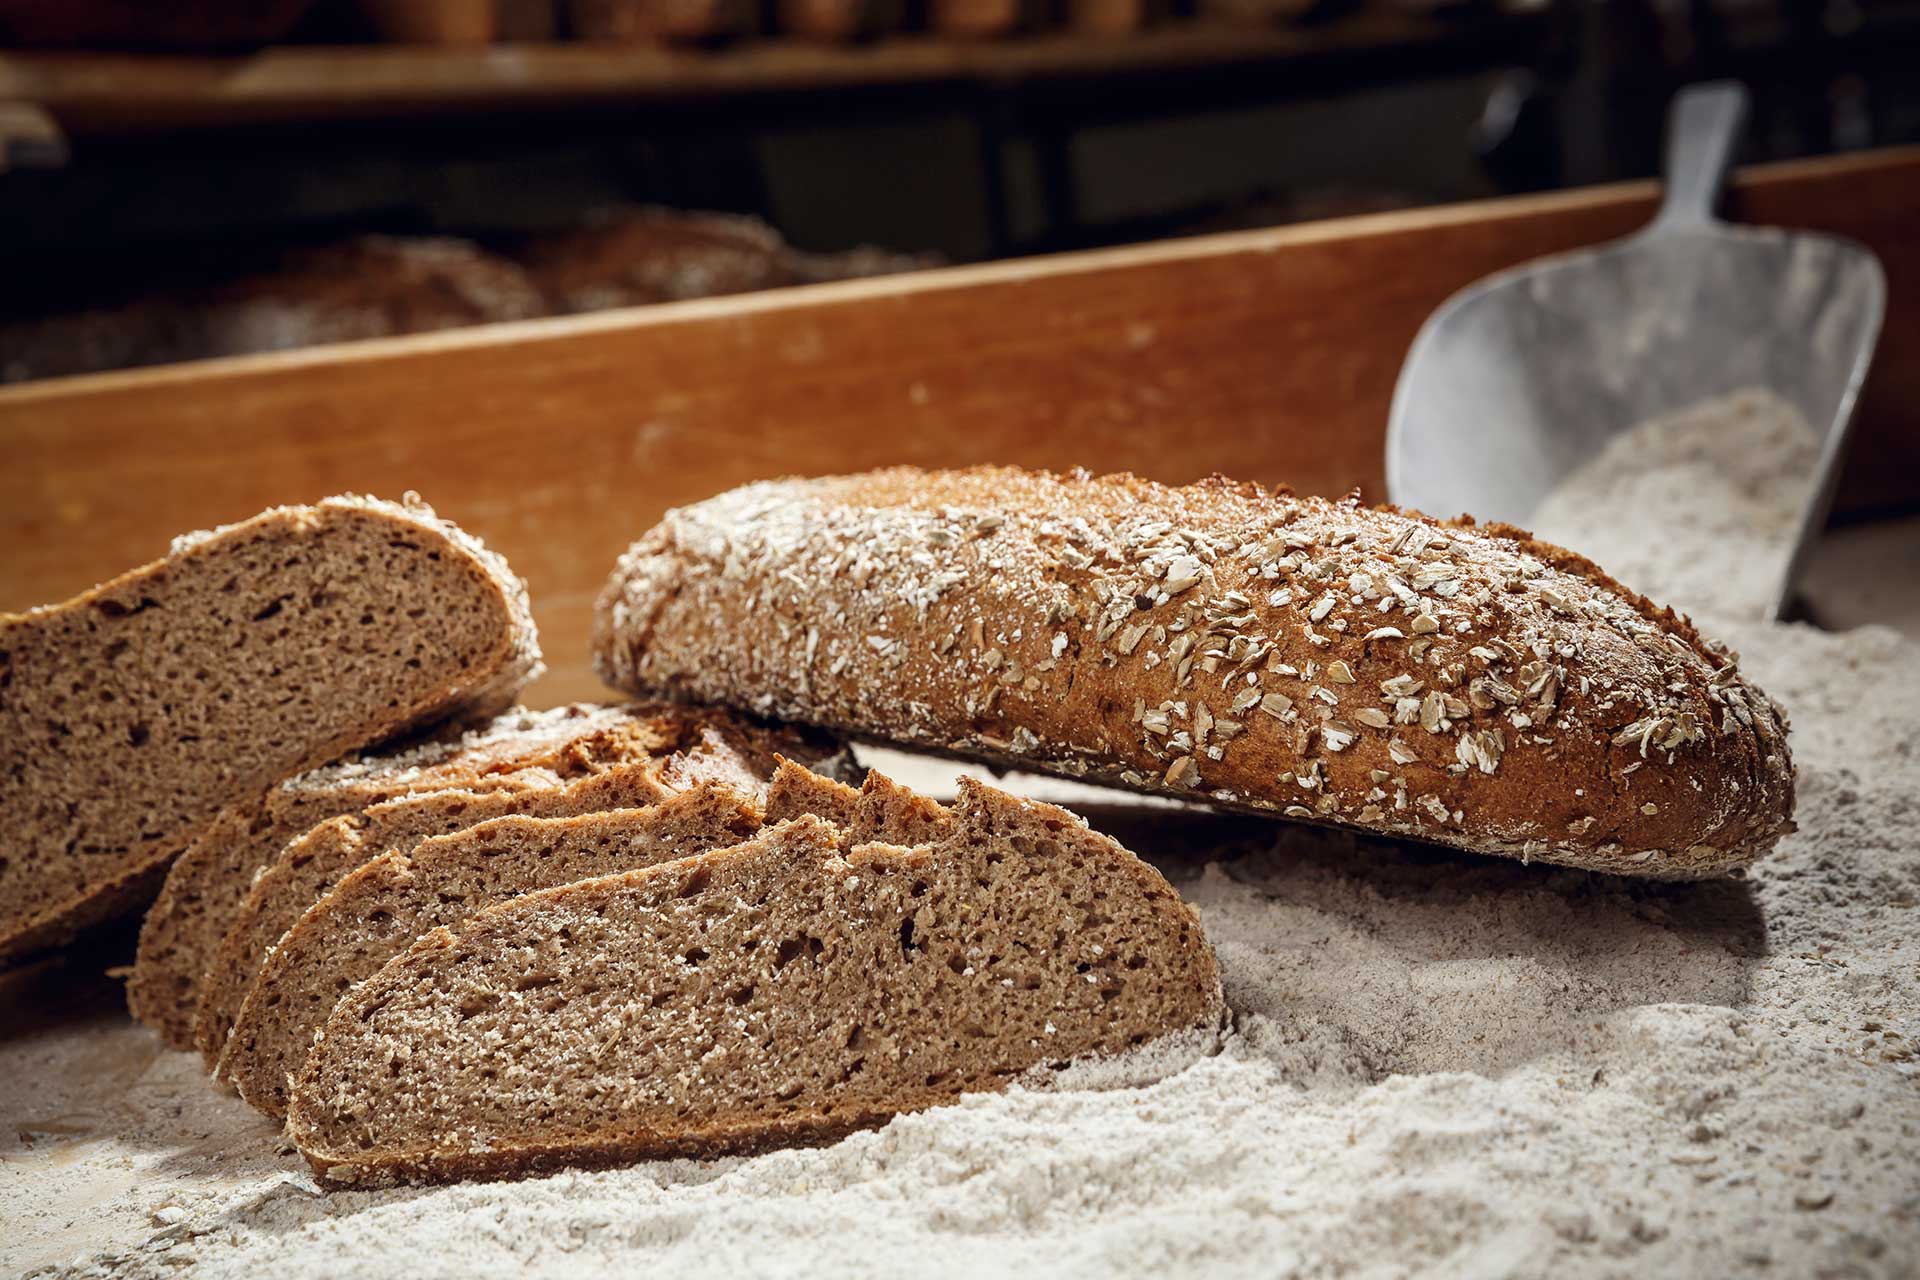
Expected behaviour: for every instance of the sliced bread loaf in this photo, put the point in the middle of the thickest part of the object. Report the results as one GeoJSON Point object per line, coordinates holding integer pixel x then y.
{"type": "Point", "coordinates": [785, 989]}
{"type": "Point", "coordinates": [208, 884]}
{"type": "Point", "coordinates": [132, 714]}
{"type": "Point", "coordinates": [211, 879]}
{"type": "Point", "coordinates": [378, 909]}
{"type": "Point", "coordinates": [309, 867]}
{"type": "Point", "coordinates": [1463, 684]}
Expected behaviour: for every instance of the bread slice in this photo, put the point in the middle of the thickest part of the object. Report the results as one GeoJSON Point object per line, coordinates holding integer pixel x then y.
{"type": "Point", "coordinates": [782, 990]}
{"type": "Point", "coordinates": [206, 887]}
{"type": "Point", "coordinates": [375, 911]}
{"type": "Point", "coordinates": [1467, 685]}
{"type": "Point", "coordinates": [309, 867]}
{"type": "Point", "coordinates": [378, 909]}
{"type": "Point", "coordinates": [132, 714]}
{"type": "Point", "coordinates": [721, 750]}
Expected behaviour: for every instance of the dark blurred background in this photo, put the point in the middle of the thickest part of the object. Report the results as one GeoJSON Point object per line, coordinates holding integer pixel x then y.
{"type": "Point", "coordinates": [213, 176]}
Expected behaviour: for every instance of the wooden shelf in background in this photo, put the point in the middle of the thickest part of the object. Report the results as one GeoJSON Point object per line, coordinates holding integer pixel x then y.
{"type": "Point", "coordinates": [102, 92]}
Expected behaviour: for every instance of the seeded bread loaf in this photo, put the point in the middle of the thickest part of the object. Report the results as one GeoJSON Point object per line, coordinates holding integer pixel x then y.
{"type": "Point", "coordinates": [786, 989]}
{"type": "Point", "coordinates": [309, 867]}
{"type": "Point", "coordinates": [378, 909]}
{"type": "Point", "coordinates": [132, 714]}
{"type": "Point", "coordinates": [1462, 684]}
{"type": "Point", "coordinates": [206, 887]}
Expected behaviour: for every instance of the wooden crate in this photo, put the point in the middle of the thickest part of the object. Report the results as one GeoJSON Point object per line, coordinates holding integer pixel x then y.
{"type": "Point", "coordinates": [1269, 355]}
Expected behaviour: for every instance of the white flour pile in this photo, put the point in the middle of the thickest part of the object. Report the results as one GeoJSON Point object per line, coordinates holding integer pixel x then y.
{"type": "Point", "coordinates": [1440, 1065]}
{"type": "Point", "coordinates": [1698, 509]}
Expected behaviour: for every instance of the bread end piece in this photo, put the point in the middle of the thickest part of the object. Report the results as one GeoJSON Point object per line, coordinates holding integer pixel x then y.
{"type": "Point", "coordinates": [136, 711]}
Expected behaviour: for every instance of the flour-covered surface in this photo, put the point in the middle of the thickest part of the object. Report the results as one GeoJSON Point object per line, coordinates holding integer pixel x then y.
{"type": "Point", "coordinates": [1439, 1064]}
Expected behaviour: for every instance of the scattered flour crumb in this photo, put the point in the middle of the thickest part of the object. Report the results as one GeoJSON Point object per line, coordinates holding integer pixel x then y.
{"type": "Point", "coordinates": [1151, 1062]}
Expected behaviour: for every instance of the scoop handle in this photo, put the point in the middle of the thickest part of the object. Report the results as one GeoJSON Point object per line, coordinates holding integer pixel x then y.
{"type": "Point", "coordinates": [1703, 130]}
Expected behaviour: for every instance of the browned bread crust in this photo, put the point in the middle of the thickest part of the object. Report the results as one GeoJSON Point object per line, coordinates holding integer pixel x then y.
{"type": "Point", "coordinates": [777, 991]}
{"type": "Point", "coordinates": [1371, 667]}
{"type": "Point", "coordinates": [132, 714]}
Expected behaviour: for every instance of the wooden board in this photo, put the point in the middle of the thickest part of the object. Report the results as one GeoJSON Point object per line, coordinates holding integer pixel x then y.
{"type": "Point", "coordinates": [89, 92]}
{"type": "Point", "coordinates": [1268, 355]}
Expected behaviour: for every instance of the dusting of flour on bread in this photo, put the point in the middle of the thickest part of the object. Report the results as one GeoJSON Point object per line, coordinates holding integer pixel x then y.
{"type": "Point", "coordinates": [1437, 1064]}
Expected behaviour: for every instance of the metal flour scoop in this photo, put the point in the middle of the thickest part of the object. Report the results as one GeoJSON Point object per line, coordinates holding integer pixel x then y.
{"type": "Point", "coordinates": [1517, 380]}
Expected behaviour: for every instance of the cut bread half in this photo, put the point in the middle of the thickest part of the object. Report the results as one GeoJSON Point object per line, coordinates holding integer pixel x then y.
{"type": "Point", "coordinates": [309, 867]}
{"type": "Point", "coordinates": [208, 885]}
{"type": "Point", "coordinates": [132, 714]}
{"type": "Point", "coordinates": [377, 910]}
{"type": "Point", "coordinates": [785, 989]}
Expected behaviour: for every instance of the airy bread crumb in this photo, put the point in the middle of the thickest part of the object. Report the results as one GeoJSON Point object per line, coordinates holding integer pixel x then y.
{"type": "Point", "coordinates": [790, 988]}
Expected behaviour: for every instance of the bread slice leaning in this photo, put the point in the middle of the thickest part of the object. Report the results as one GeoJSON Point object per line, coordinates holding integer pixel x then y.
{"type": "Point", "coordinates": [207, 884]}
{"type": "Point", "coordinates": [1467, 685]}
{"type": "Point", "coordinates": [132, 714]}
{"type": "Point", "coordinates": [312, 864]}
{"type": "Point", "coordinates": [377, 910]}
{"type": "Point", "coordinates": [207, 887]}
{"type": "Point", "coordinates": [795, 790]}
{"type": "Point", "coordinates": [577, 761]}
{"type": "Point", "coordinates": [335, 940]}
{"type": "Point", "coordinates": [879, 810]}
{"type": "Point", "coordinates": [785, 989]}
